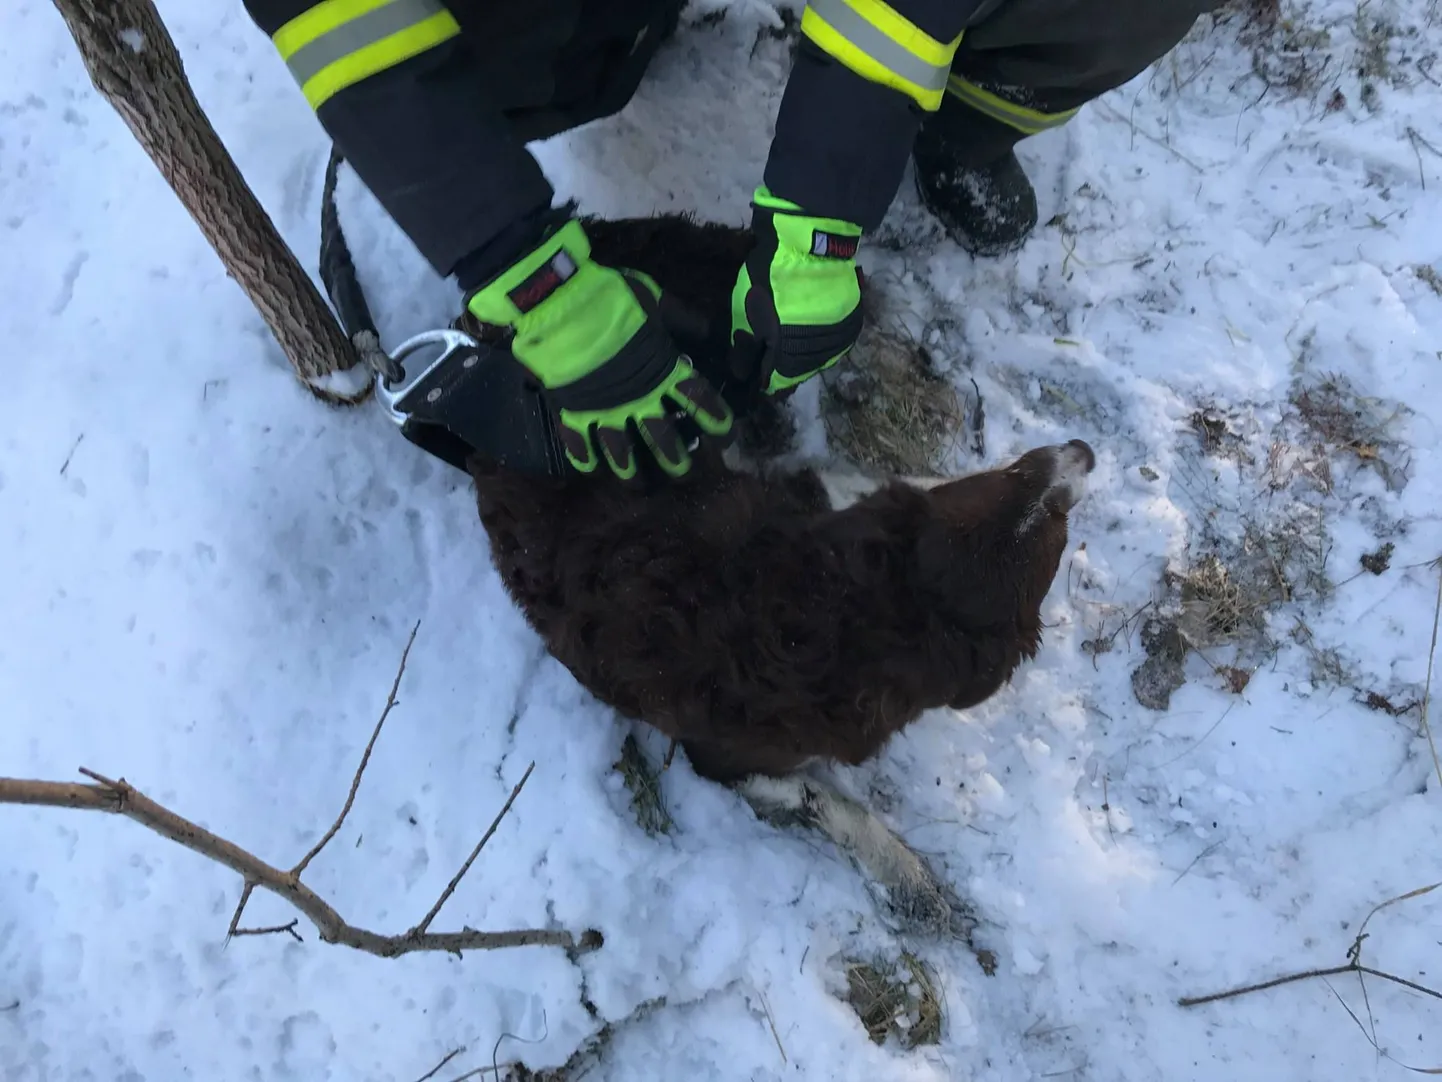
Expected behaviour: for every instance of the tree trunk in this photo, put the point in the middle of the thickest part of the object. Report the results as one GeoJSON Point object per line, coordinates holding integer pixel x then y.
{"type": "Point", "coordinates": [134, 63]}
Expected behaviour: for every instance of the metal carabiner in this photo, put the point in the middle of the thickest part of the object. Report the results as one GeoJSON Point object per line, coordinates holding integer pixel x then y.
{"type": "Point", "coordinates": [454, 341]}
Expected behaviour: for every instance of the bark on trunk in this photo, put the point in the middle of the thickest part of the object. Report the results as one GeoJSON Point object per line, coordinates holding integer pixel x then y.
{"type": "Point", "coordinates": [133, 62]}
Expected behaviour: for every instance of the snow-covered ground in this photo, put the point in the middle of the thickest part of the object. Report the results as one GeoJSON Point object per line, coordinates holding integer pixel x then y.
{"type": "Point", "coordinates": [209, 578]}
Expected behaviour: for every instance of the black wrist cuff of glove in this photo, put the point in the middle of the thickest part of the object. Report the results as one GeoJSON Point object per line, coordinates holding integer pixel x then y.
{"type": "Point", "coordinates": [519, 237]}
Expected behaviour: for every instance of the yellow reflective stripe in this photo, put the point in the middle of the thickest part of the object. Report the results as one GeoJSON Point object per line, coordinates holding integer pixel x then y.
{"type": "Point", "coordinates": [1025, 120]}
{"type": "Point", "coordinates": [338, 43]}
{"type": "Point", "coordinates": [318, 21]}
{"type": "Point", "coordinates": [875, 41]}
{"type": "Point", "coordinates": [905, 33]}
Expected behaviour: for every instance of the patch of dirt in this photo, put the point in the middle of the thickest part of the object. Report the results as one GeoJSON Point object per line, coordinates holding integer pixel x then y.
{"type": "Point", "coordinates": [1379, 561]}
{"type": "Point", "coordinates": [1162, 672]}
{"type": "Point", "coordinates": [896, 1000]}
{"type": "Point", "coordinates": [1218, 434]}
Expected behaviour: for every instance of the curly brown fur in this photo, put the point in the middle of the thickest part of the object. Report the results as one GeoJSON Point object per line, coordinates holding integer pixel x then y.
{"type": "Point", "coordinates": [742, 616]}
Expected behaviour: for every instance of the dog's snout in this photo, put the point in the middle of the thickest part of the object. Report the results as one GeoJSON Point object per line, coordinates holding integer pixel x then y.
{"type": "Point", "coordinates": [1084, 453]}
{"type": "Point", "coordinates": [1074, 460]}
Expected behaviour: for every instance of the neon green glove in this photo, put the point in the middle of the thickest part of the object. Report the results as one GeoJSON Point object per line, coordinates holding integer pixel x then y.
{"type": "Point", "coordinates": [796, 306]}
{"type": "Point", "coordinates": [591, 336]}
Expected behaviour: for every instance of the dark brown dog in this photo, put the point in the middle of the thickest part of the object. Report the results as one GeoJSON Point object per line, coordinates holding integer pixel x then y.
{"type": "Point", "coordinates": [766, 618]}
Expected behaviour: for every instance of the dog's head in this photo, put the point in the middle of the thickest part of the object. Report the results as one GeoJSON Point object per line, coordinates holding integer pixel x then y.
{"type": "Point", "coordinates": [995, 539]}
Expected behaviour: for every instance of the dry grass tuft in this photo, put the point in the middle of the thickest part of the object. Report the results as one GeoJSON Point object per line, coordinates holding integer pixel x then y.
{"type": "Point", "coordinates": [1343, 420]}
{"type": "Point", "coordinates": [888, 410]}
{"type": "Point", "coordinates": [1288, 56]}
{"type": "Point", "coordinates": [644, 782]}
{"type": "Point", "coordinates": [1213, 606]}
{"type": "Point", "coordinates": [897, 1000]}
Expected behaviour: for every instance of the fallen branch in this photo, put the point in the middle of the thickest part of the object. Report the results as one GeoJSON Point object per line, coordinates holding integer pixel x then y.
{"type": "Point", "coordinates": [1306, 975]}
{"type": "Point", "coordinates": [1354, 962]}
{"type": "Point", "coordinates": [121, 798]}
{"type": "Point", "coordinates": [1354, 965]}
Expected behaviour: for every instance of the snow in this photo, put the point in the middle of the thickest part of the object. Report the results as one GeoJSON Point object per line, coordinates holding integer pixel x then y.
{"type": "Point", "coordinates": [211, 576]}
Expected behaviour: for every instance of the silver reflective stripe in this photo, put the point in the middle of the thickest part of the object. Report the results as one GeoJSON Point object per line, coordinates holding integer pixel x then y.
{"type": "Point", "coordinates": [893, 56]}
{"type": "Point", "coordinates": [356, 34]}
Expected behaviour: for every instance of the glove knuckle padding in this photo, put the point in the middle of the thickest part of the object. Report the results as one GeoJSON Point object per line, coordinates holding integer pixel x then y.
{"type": "Point", "coordinates": [594, 337]}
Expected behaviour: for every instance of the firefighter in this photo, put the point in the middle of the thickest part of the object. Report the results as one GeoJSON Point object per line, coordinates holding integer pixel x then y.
{"type": "Point", "coordinates": [434, 101]}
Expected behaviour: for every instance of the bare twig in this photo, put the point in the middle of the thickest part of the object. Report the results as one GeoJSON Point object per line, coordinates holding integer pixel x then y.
{"type": "Point", "coordinates": [276, 929]}
{"type": "Point", "coordinates": [245, 893]}
{"type": "Point", "coordinates": [1371, 1034]}
{"type": "Point", "coordinates": [1306, 975]}
{"type": "Point", "coordinates": [670, 754]}
{"type": "Point", "coordinates": [772, 1023]}
{"type": "Point", "coordinates": [421, 928]}
{"type": "Point", "coordinates": [1427, 690]}
{"type": "Point", "coordinates": [439, 1067]}
{"type": "Point", "coordinates": [1107, 807]}
{"type": "Point", "coordinates": [65, 466]}
{"type": "Point", "coordinates": [1196, 860]}
{"type": "Point", "coordinates": [365, 759]}
{"type": "Point", "coordinates": [1355, 953]}
{"type": "Point", "coordinates": [1354, 963]}
{"type": "Point", "coordinates": [121, 798]}
{"type": "Point", "coordinates": [300, 867]}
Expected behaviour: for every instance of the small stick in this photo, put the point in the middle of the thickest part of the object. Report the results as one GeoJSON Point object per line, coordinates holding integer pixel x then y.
{"type": "Point", "coordinates": [772, 1023]}
{"type": "Point", "coordinates": [1427, 690]}
{"type": "Point", "coordinates": [1291, 978]}
{"type": "Point", "coordinates": [1107, 807]}
{"type": "Point", "coordinates": [245, 893]}
{"type": "Point", "coordinates": [365, 759]}
{"type": "Point", "coordinates": [273, 930]}
{"type": "Point", "coordinates": [420, 929]}
{"type": "Point", "coordinates": [1197, 860]}
{"type": "Point", "coordinates": [65, 466]}
{"type": "Point", "coordinates": [441, 1065]}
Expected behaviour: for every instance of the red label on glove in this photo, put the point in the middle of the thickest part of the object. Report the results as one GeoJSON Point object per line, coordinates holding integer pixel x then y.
{"type": "Point", "coordinates": [547, 278]}
{"type": "Point", "coordinates": [833, 245]}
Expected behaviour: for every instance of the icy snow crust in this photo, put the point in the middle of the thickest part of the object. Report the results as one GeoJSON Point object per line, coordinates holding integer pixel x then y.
{"type": "Point", "coordinates": [211, 597]}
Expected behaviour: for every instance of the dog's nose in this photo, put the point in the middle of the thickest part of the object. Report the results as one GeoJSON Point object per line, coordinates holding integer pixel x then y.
{"type": "Point", "coordinates": [1088, 456]}
{"type": "Point", "coordinates": [1074, 460]}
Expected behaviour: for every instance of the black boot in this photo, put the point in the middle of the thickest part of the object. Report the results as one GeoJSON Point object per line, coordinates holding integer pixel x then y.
{"type": "Point", "coordinates": [987, 209]}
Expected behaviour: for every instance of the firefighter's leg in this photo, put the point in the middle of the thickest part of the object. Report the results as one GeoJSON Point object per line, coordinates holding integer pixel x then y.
{"type": "Point", "coordinates": [1029, 66]}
